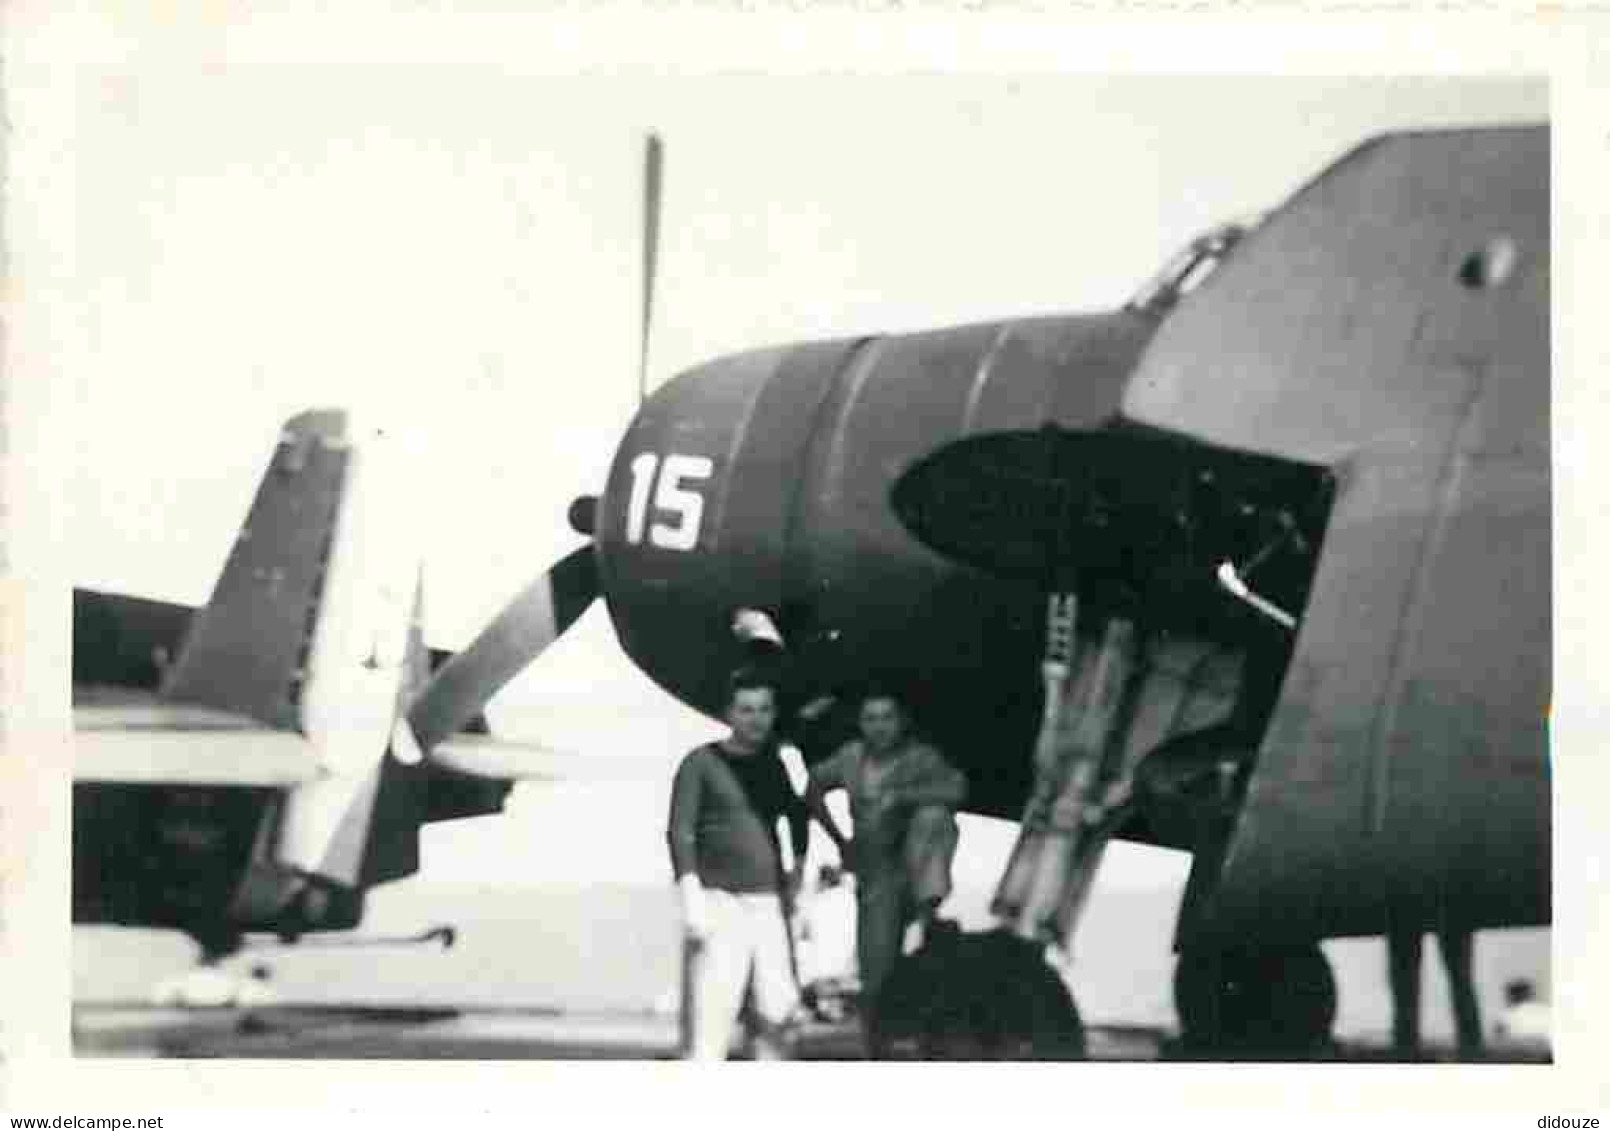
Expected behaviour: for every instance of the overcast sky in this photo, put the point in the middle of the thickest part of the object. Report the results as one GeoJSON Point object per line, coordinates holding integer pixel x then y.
{"type": "Point", "coordinates": [464, 254]}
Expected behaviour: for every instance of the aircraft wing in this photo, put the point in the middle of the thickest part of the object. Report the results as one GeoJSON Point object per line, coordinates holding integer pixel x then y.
{"type": "Point", "coordinates": [131, 736]}
{"type": "Point", "coordinates": [127, 734]}
{"type": "Point", "coordinates": [1391, 323]}
{"type": "Point", "coordinates": [126, 737]}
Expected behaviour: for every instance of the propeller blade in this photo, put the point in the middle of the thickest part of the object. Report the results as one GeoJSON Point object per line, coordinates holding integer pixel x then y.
{"type": "Point", "coordinates": [519, 634]}
{"type": "Point", "coordinates": [540, 615]}
{"type": "Point", "coordinates": [653, 159]}
{"type": "Point", "coordinates": [445, 933]}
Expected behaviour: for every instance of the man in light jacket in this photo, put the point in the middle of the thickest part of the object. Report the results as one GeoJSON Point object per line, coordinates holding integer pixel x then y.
{"type": "Point", "coordinates": [903, 798]}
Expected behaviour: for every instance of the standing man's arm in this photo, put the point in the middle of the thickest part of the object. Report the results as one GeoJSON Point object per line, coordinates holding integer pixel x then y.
{"type": "Point", "coordinates": [823, 777]}
{"type": "Point", "coordinates": [681, 835]}
{"type": "Point", "coordinates": [799, 825]}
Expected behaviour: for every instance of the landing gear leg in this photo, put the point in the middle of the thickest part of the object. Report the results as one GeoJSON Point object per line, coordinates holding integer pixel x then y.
{"type": "Point", "coordinates": [1269, 1003]}
{"type": "Point", "coordinates": [993, 995]}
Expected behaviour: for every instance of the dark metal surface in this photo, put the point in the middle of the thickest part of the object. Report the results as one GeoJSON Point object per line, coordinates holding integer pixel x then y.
{"type": "Point", "coordinates": [1106, 509]}
{"type": "Point", "coordinates": [246, 650]}
{"type": "Point", "coordinates": [1404, 776]}
{"type": "Point", "coordinates": [805, 443]}
{"type": "Point", "coordinates": [118, 641]}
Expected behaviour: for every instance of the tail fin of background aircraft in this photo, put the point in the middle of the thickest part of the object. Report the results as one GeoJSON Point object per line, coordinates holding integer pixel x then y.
{"type": "Point", "coordinates": [363, 659]}
{"type": "Point", "coordinates": [247, 650]}
{"type": "Point", "coordinates": [359, 661]}
{"type": "Point", "coordinates": [314, 626]}
{"type": "Point", "coordinates": [359, 826]}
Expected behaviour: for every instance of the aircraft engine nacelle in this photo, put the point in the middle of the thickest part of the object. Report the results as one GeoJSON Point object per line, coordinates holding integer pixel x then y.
{"type": "Point", "coordinates": [761, 480]}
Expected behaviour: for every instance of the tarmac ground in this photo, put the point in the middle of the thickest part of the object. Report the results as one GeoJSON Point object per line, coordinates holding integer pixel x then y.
{"type": "Point", "coordinates": [360, 1032]}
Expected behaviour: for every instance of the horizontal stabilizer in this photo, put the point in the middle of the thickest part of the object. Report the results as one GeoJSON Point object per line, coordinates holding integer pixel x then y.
{"type": "Point", "coordinates": [247, 756]}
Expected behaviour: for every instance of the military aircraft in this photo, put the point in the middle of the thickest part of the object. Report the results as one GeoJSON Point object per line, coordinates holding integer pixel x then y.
{"type": "Point", "coordinates": [1308, 464]}
{"type": "Point", "coordinates": [242, 767]}
{"type": "Point", "coordinates": [1310, 461]}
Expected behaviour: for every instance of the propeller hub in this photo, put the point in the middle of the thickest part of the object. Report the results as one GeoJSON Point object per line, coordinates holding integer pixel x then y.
{"type": "Point", "coordinates": [583, 515]}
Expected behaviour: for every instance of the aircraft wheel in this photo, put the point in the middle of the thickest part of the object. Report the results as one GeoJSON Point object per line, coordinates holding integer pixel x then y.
{"type": "Point", "coordinates": [975, 997]}
{"type": "Point", "coordinates": [1275, 1002]}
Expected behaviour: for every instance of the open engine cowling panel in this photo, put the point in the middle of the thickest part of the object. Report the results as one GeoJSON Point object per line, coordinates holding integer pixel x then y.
{"type": "Point", "coordinates": [1133, 520]}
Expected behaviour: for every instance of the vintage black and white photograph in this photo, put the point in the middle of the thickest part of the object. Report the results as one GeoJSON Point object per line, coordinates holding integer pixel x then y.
{"type": "Point", "coordinates": [905, 567]}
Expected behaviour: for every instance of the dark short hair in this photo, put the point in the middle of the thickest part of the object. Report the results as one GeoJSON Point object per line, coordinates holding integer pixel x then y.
{"type": "Point", "coordinates": [748, 679]}
{"type": "Point", "coordinates": [883, 691]}
{"type": "Point", "coordinates": [902, 693]}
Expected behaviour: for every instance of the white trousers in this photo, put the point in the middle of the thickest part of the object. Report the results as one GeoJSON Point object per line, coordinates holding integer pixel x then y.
{"type": "Point", "coordinates": [745, 948]}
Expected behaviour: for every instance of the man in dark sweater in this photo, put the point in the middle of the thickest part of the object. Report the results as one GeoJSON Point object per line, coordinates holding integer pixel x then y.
{"type": "Point", "coordinates": [725, 803]}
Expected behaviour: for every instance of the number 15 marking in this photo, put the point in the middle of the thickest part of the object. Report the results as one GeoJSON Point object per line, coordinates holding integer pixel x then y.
{"type": "Point", "coordinates": [672, 498]}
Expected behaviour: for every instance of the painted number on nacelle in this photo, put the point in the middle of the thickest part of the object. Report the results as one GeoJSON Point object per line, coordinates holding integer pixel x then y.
{"type": "Point", "coordinates": [678, 510]}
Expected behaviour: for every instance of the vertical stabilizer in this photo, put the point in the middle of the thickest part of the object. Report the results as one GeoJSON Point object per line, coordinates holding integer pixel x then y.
{"type": "Point", "coordinates": [247, 651]}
